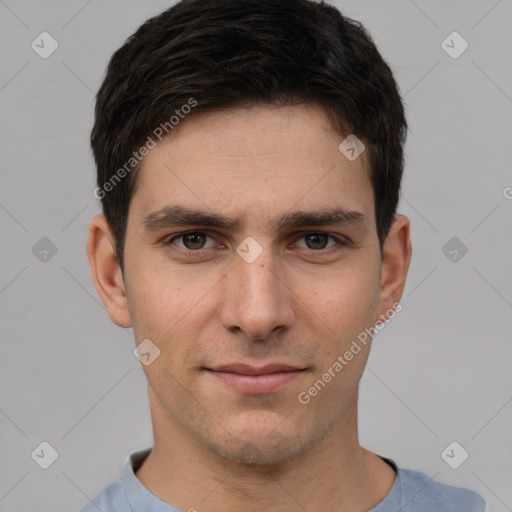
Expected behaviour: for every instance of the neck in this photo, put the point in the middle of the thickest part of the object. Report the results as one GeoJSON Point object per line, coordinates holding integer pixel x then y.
{"type": "Point", "coordinates": [335, 475]}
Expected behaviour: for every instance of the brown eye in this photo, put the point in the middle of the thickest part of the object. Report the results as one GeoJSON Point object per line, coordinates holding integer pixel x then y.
{"type": "Point", "coordinates": [316, 241]}
{"type": "Point", "coordinates": [194, 240]}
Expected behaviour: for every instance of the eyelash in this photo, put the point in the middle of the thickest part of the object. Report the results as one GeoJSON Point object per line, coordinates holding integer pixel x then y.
{"type": "Point", "coordinates": [167, 242]}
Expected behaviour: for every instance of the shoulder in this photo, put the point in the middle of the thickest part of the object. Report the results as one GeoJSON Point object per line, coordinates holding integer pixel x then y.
{"type": "Point", "coordinates": [110, 499]}
{"type": "Point", "coordinates": [421, 492]}
{"type": "Point", "coordinates": [118, 495]}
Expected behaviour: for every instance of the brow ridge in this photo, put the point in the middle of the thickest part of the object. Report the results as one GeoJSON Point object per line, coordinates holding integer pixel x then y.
{"type": "Point", "coordinates": [180, 215]}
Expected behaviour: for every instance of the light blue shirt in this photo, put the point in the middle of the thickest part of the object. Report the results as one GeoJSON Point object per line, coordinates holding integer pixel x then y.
{"type": "Point", "coordinates": [412, 491]}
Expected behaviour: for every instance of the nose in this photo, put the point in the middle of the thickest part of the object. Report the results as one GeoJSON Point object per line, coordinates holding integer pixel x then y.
{"type": "Point", "coordinates": [257, 299]}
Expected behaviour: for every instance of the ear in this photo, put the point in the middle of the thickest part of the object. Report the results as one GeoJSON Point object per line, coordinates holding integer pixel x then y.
{"type": "Point", "coordinates": [396, 257]}
{"type": "Point", "coordinates": [106, 271]}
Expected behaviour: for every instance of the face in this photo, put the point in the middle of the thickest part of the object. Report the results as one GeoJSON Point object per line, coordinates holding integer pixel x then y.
{"type": "Point", "coordinates": [252, 262]}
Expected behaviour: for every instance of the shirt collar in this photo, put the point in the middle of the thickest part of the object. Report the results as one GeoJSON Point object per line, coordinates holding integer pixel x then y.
{"type": "Point", "coordinates": [393, 500]}
{"type": "Point", "coordinates": [139, 497]}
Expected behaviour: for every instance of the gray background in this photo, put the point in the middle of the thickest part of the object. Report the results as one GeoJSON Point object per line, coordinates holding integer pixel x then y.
{"type": "Point", "coordinates": [440, 372]}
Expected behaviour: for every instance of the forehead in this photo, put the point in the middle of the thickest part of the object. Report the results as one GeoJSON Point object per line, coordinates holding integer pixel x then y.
{"type": "Point", "coordinates": [254, 163]}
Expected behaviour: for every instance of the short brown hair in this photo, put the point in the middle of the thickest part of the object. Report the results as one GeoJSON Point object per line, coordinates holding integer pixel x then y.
{"type": "Point", "coordinates": [232, 53]}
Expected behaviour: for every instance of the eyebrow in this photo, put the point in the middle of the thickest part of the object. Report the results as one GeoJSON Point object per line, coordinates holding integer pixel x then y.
{"type": "Point", "coordinates": [179, 215]}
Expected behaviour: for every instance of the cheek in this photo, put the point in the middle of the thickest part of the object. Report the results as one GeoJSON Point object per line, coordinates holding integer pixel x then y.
{"type": "Point", "coordinates": [157, 302]}
{"type": "Point", "coordinates": [172, 307]}
{"type": "Point", "coordinates": [346, 301]}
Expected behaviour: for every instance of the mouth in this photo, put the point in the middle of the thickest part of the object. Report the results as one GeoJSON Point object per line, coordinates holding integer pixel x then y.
{"type": "Point", "coordinates": [255, 380]}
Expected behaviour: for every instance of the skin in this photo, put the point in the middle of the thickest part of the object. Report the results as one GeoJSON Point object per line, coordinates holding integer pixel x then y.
{"type": "Point", "coordinates": [220, 449]}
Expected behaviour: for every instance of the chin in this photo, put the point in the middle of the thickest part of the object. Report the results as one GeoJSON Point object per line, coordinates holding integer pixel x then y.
{"type": "Point", "coordinates": [253, 453]}
{"type": "Point", "coordinates": [269, 448]}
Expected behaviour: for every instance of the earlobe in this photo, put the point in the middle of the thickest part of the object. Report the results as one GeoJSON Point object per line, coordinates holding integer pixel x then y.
{"type": "Point", "coordinates": [106, 272]}
{"type": "Point", "coordinates": [396, 257]}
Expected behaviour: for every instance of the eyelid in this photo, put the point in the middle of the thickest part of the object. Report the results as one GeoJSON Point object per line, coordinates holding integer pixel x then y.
{"type": "Point", "coordinates": [339, 239]}
{"type": "Point", "coordinates": [169, 239]}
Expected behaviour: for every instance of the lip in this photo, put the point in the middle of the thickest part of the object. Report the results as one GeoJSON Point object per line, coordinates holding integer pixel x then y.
{"type": "Point", "coordinates": [246, 369]}
{"type": "Point", "coordinates": [256, 380]}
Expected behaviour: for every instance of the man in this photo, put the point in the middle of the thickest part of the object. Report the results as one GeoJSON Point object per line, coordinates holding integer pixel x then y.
{"type": "Point", "coordinates": [249, 160]}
